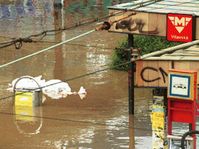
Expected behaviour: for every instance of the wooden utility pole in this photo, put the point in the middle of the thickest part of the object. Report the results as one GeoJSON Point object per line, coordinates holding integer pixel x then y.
{"type": "Point", "coordinates": [131, 75]}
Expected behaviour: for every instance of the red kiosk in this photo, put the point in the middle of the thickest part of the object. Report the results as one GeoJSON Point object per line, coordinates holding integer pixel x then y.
{"type": "Point", "coordinates": [182, 94]}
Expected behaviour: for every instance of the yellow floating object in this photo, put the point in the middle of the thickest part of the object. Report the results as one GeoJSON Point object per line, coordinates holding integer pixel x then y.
{"type": "Point", "coordinates": [24, 99]}
{"type": "Point", "coordinates": [28, 99]}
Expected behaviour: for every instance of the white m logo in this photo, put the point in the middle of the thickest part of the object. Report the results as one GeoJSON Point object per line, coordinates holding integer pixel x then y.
{"type": "Point", "coordinates": [180, 24]}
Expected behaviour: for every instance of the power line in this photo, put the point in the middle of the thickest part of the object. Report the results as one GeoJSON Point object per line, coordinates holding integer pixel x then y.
{"type": "Point", "coordinates": [70, 120]}
{"type": "Point", "coordinates": [46, 49]}
{"type": "Point", "coordinates": [19, 41]}
{"type": "Point", "coordinates": [104, 69]}
{"type": "Point", "coordinates": [71, 79]}
{"type": "Point", "coordinates": [75, 121]}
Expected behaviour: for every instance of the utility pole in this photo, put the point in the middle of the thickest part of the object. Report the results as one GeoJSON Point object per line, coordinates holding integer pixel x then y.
{"type": "Point", "coordinates": [131, 75]}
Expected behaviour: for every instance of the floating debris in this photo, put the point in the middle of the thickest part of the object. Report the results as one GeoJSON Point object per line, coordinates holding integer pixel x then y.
{"type": "Point", "coordinates": [82, 92]}
{"type": "Point", "coordinates": [55, 88]}
{"type": "Point", "coordinates": [26, 83]}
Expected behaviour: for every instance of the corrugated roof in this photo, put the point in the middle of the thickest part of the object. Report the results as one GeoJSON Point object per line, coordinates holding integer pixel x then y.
{"type": "Point", "coordinates": [190, 53]}
{"type": "Point", "coordinates": [162, 6]}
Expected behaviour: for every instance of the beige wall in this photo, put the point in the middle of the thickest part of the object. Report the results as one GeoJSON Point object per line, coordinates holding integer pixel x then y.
{"type": "Point", "coordinates": [150, 70]}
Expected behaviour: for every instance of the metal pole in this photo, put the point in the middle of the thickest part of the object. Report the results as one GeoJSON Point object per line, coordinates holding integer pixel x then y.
{"type": "Point", "coordinates": [131, 75]}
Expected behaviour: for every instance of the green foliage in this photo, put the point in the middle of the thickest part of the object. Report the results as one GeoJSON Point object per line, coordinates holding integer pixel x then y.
{"type": "Point", "coordinates": [120, 56]}
{"type": "Point", "coordinates": [147, 44]}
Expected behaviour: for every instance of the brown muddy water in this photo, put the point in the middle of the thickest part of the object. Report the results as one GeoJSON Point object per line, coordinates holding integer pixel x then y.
{"type": "Point", "coordinates": [101, 120]}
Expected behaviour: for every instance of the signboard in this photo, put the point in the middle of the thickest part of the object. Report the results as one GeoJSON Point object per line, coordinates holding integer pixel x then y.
{"type": "Point", "coordinates": [158, 24]}
{"type": "Point", "coordinates": [179, 27]}
{"type": "Point", "coordinates": [182, 84]}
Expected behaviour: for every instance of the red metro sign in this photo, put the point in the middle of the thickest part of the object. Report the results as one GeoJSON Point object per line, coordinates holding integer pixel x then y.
{"type": "Point", "coordinates": [179, 27]}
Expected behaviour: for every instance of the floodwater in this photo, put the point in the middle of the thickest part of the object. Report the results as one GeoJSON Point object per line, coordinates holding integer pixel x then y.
{"type": "Point", "coordinates": [101, 120]}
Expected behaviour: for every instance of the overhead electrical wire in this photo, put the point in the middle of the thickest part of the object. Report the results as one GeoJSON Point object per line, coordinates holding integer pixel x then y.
{"type": "Point", "coordinates": [18, 42]}
{"type": "Point", "coordinates": [46, 49]}
{"type": "Point", "coordinates": [143, 57]}
{"type": "Point", "coordinates": [9, 63]}
{"type": "Point", "coordinates": [28, 39]}
{"type": "Point", "coordinates": [71, 79]}
{"type": "Point", "coordinates": [33, 38]}
{"type": "Point", "coordinates": [71, 120]}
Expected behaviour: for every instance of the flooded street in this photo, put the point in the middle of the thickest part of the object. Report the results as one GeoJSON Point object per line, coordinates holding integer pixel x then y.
{"type": "Point", "coordinates": [99, 121]}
